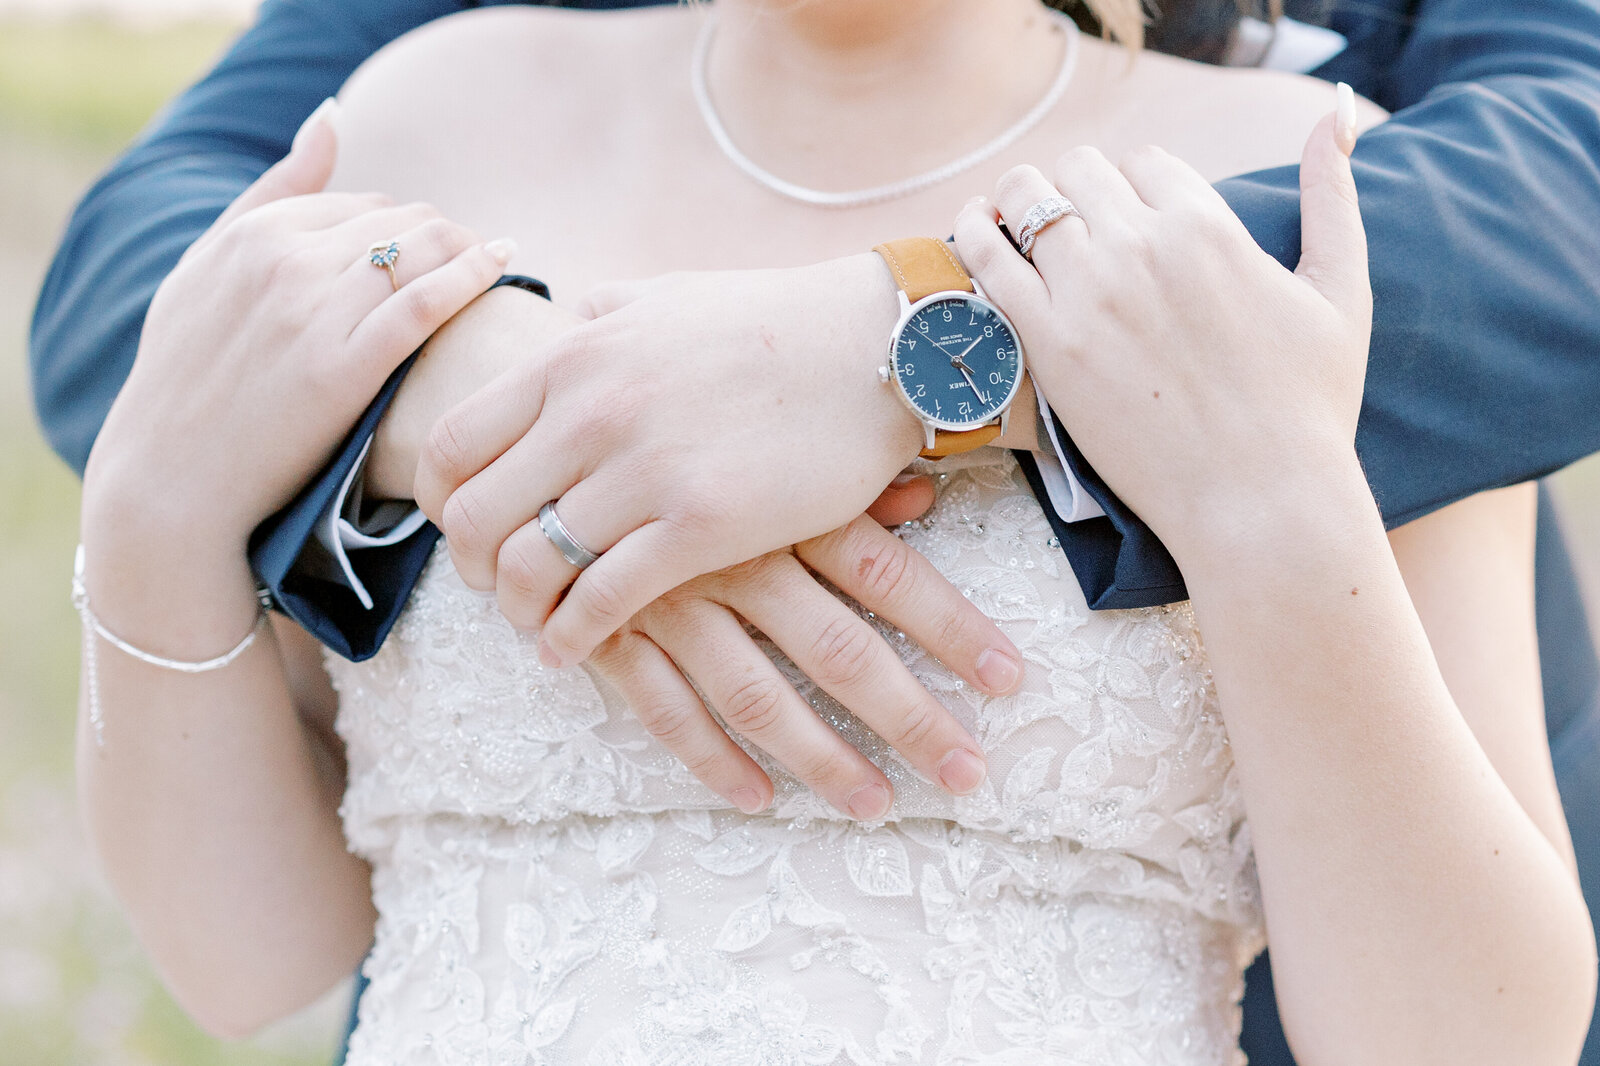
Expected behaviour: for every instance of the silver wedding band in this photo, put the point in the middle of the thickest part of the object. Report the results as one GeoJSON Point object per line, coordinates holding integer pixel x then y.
{"type": "Point", "coordinates": [1040, 217]}
{"type": "Point", "coordinates": [556, 532]}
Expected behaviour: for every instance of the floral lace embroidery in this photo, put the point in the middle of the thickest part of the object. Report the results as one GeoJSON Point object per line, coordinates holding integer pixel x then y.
{"type": "Point", "coordinates": [554, 887]}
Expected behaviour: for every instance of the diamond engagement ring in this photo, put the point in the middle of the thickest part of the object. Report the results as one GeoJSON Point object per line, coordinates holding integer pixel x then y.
{"type": "Point", "coordinates": [1040, 217]}
{"type": "Point", "coordinates": [556, 532]}
{"type": "Point", "coordinates": [384, 254]}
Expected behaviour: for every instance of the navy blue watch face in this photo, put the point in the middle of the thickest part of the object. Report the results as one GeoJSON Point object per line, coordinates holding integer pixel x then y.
{"type": "Point", "coordinates": [957, 360]}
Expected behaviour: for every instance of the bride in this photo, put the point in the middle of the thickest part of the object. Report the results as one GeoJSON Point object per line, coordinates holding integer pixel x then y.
{"type": "Point", "coordinates": [548, 884]}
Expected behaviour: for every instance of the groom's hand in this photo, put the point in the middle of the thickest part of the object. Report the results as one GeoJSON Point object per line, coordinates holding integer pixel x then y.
{"type": "Point", "coordinates": [713, 419]}
{"type": "Point", "coordinates": [697, 633]}
{"type": "Point", "coordinates": [694, 630]}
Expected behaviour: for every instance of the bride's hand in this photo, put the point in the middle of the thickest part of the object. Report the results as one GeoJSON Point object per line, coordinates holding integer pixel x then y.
{"type": "Point", "coordinates": [265, 343]}
{"type": "Point", "coordinates": [713, 419]}
{"type": "Point", "coordinates": [1208, 385]}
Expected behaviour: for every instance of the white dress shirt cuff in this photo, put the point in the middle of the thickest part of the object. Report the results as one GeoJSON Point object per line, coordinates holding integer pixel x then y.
{"type": "Point", "coordinates": [1067, 497]}
{"type": "Point", "coordinates": [344, 527]}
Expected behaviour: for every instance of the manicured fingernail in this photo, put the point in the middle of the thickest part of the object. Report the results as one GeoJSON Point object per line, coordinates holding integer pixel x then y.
{"type": "Point", "coordinates": [902, 480]}
{"type": "Point", "coordinates": [325, 112]}
{"type": "Point", "coordinates": [961, 771]}
{"type": "Point", "coordinates": [977, 201]}
{"type": "Point", "coordinates": [501, 250]}
{"type": "Point", "coordinates": [869, 803]}
{"type": "Point", "coordinates": [548, 656]}
{"type": "Point", "coordinates": [1344, 119]}
{"type": "Point", "coordinates": [998, 671]}
{"type": "Point", "coordinates": [747, 800]}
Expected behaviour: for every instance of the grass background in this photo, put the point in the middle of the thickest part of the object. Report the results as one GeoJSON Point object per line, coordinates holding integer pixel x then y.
{"type": "Point", "coordinates": [74, 988]}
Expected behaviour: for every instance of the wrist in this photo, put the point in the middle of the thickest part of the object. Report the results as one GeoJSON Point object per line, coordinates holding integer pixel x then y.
{"type": "Point", "coordinates": [1293, 523]}
{"type": "Point", "coordinates": [129, 502]}
{"type": "Point", "coordinates": [1022, 427]}
{"type": "Point", "coordinates": [173, 597]}
{"type": "Point", "coordinates": [861, 289]}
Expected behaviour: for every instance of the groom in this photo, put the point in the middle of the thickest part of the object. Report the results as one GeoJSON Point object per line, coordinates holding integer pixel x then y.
{"type": "Point", "coordinates": [1497, 101]}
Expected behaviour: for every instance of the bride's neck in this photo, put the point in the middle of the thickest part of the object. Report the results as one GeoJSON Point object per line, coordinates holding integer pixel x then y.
{"type": "Point", "coordinates": [848, 93]}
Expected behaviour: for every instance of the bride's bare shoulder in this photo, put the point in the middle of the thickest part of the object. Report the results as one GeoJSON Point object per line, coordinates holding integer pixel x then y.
{"type": "Point", "coordinates": [491, 69]}
{"type": "Point", "coordinates": [1222, 120]}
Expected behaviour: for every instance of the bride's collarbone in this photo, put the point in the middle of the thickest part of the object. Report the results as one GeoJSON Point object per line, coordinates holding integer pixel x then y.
{"type": "Point", "coordinates": [620, 161]}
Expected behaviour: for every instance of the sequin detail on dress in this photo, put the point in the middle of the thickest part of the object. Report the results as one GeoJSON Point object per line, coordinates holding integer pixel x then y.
{"type": "Point", "coordinates": [553, 887]}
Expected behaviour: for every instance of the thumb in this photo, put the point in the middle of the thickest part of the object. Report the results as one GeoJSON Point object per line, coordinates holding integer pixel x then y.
{"type": "Point", "coordinates": [1333, 242]}
{"type": "Point", "coordinates": [305, 170]}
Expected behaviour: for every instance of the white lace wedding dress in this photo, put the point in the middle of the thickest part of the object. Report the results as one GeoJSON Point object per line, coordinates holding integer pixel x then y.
{"type": "Point", "coordinates": [553, 887]}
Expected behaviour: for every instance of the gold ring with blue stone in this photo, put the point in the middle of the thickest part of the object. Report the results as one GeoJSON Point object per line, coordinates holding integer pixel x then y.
{"type": "Point", "coordinates": [384, 254]}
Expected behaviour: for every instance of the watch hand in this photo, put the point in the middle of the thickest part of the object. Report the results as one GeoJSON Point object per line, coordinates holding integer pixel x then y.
{"type": "Point", "coordinates": [959, 362]}
{"type": "Point", "coordinates": [966, 372]}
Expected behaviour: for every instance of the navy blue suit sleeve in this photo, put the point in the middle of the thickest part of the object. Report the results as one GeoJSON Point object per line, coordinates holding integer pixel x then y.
{"type": "Point", "coordinates": [330, 610]}
{"type": "Point", "coordinates": [192, 161]}
{"type": "Point", "coordinates": [1482, 203]}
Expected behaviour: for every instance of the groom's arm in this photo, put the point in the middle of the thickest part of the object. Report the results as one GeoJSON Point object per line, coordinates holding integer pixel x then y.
{"type": "Point", "coordinates": [1481, 197]}
{"type": "Point", "coordinates": [193, 160]}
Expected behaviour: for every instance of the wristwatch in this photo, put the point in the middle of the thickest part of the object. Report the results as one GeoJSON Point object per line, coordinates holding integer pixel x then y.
{"type": "Point", "coordinates": [954, 358]}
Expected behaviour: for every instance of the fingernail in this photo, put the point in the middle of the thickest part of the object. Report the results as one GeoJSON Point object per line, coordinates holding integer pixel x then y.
{"type": "Point", "coordinates": [747, 800]}
{"type": "Point", "coordinates": [548, 656]}
{"type": "Point", "coordinates": [961, 771]}
{"type": "Point", "coordinates": [997, 670]}
{"type": "Point", "coordinates": [902, 480]}
{"type": "Point", "coordinates": [325, 112]}
{"type": "Point", "coordinates": [977, 201]}
{"type": "Point", "coordinates": [1344, 119]}
{"type": "Point", "coordinates": [501, 250]}
{"type": "Point", "coordinates": [869, 803]}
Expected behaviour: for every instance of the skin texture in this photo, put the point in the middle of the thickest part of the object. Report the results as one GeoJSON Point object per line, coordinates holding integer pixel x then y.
{"type": "Point", "coordinates": [1309, 674]}
{"type": "Point", "coordinates": [193, 812]}
{"type": "Point", "coordinates": [486, 471]}
{"type": "Point", "coordinates": [831, 645]}
{"type": "Point", "coordinates": [1402, 832]}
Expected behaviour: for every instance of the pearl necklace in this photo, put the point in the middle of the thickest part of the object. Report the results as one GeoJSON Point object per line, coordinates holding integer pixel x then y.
{"type": "Point", "coordinates": [879, 193]}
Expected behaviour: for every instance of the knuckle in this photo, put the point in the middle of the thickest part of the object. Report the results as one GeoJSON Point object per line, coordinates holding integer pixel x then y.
{"type": "Point", "coordinates": [1077, 161]}
{"type": "Point", "coordinates": [977, 253]}
{"type": "Point", "coordinates": [516, 572]}
{"type": "Point", "coordinates": [449, 447]}
{"type": "Point", "coordinates": [602, 601]}
{"type": "Point", "coordinates": [425, 306]}
{"type": "Point", "coordinates": [1015, 182]}
{"type": "Point", "coordinates": [670, 722]}
{"type": "Point", "coordinates": [752, 573]}
{"type": "Point", "coordinates": [440, 236]}
{"type": "Point", "coordinates": [463, 521]}
{"type": "Point", "coordinates": [917, 726]}
{"type": "Point", "coordinates": [950, 632]}
{"type": "Point", "coordinates": [824, 772]}
{"type": "Point", "coordinates": [754, 705]}
{"type": "Point", "coordinates": [884, 571]}
{"type": "Point", "coordinates": [844, 652]}
{"type": "Point", "coordinates": [286, 268]}
{"type": "Point", "coordinates": [1145, 154]}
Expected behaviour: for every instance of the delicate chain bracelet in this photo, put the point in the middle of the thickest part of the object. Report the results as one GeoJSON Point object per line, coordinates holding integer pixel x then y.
{"type": "Point", "coordinates": [93, 626]}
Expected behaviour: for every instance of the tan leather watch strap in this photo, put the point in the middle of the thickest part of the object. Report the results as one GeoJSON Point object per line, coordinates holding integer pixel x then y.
{"type": "Point", "coordinates": [923, 266]}
{"type": "Point", "coordinates": [950, 442]}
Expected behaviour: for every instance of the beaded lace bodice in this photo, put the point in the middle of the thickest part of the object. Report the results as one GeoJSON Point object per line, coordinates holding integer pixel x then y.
{"type": "Point", "coordinates": [553, 887]}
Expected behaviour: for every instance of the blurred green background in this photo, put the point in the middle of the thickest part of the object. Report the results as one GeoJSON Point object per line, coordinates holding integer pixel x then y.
{"type": "Point", "coordinates": [74, 989]}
